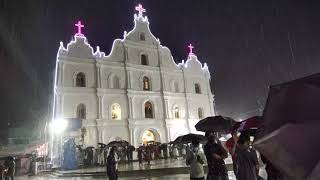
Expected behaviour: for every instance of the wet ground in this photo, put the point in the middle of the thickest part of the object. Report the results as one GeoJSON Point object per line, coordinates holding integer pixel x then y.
{"type": "Point", "coordinates": [158, 170]}
{"type": "Point", "coordinates": [171, 177]}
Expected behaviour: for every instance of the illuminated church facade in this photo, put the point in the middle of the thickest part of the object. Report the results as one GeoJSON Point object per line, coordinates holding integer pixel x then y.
{"type": "Point", "coordinates": [136, 93]}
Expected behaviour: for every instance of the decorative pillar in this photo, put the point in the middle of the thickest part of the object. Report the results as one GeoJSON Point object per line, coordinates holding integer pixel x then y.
{"type": "Point", "coordinates": [166, 108]}
{"type": "Point", "coordinates": [130, 108]}
{"type": "Point", "coordinates": [129, 80]}
{"type": "Point", "coordinates": [132, 136]}
{"type": "Point", "coordinates": [99, 76]}
{"type": "Point", "coordinates": [99, 106]}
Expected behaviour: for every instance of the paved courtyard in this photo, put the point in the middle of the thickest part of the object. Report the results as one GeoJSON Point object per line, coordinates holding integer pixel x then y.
{"type": "Point", "coordinates": [171, 177]}
{"type": "Point", "coordinates": [169, 169]}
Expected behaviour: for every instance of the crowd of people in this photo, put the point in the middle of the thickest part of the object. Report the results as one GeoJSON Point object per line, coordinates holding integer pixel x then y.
{"type": "Point", "coordinates": [245, 159]}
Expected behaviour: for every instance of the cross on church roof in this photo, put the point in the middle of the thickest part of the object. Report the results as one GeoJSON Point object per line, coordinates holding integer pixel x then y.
{"type": "Point", "coordinates": [140, 9]}
{"type": "Point", "coordinates": [79, 25]}
{"type": "Point", "coordinates": [190, 49]}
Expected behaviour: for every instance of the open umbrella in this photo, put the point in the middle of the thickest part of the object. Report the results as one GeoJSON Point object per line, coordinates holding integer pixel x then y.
{"type": "Point", "coordinates": [121, 143]}
{"type": "Point", "coordinates": [188, 138]}
{"type": "Point", "coordinates": [248, 124]}
{"type": "Point", "coordinates": [215, 123]}
{"type": "Point", "coordinates": [290, 129]}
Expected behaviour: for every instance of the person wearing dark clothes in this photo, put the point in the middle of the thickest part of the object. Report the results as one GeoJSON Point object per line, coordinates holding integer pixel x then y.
{"type": "Point", "coordinates": [246, 159]}
{"type": "Point", "coordinates": [215, 154]}
{"type": "Point", "coordinates": [272, 172]}
{"type": "Point", "coordinates": [140, 155]}
{"type": "Point", "coordinates": [112, 170]}
{"type": "Point", "coordinates": [11, 166]}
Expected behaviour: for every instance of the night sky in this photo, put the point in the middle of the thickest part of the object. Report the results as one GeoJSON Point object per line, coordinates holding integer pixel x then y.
{"type": "Point", "coordinates": [248, 45]}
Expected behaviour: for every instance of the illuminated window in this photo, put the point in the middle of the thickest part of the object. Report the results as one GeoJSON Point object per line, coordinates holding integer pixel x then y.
{"type": "Point", "coordinates": [200, 113]}
{"type": "Point", "coordinates": [146, 84]}
{"type": "Point", "coordinates": [148, 136]}
{"type": "Point", "coordinates": [197, 89]}
{"type": "Point", "coordinates": [144, 59]}
{"type": "Point", "coordinates": [142, 37]}
{"type": "Point", "coordinates": [81, 111]}
{"type": "Point", "coordinates": [116, 112]}
{"type": "Point", "coordinates": [148, 110]}
{"type": "Point", "coordinates": [81, 80]}
{"type": "Point", "coordinates": [176, 113]}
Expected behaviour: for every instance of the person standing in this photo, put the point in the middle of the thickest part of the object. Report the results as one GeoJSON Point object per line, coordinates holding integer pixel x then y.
{"type": "Point", "coordinates": [215, 154]}
{"type": "Point", "coordinates": [112, 167]}
{"type": "Point", "coordinates": [196, 159]}
{"type": "Point", "coordinates": [246, 159]}
{"type": "Point", "coordinates": [147, 154]}
{"type": "Point", "coordinates": [231, 145]}
{"type": "Point", "coordinates": [11, 166]}
{"type": "Point", "coordinates": [140, 155]}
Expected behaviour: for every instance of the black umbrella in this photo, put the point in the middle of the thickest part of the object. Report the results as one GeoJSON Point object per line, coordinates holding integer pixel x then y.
{"type": "Point", "coordinates": [121, 143]}
{"type": "Point", "coordinates": [290, 129]}
{"type": "Point", "coordinates": [188, 138]}
{"type": "Point", "coordinates": [215, 123]}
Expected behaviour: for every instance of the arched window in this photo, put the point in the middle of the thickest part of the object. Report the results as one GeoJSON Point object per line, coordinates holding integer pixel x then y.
{"type": "Point", "coordinates": [116, 82]}
{"type": "Point", "coordinates": [81, 111]}
{"type": "Point", "coordinates": [200, 113]}
{"type": "Point", "coordinates": [144, 59]}
{"type": "Point", "coordinates": [81, 80]}
{"type": "Point", "coordinates": [142, 37]}
{"type": "Point", "coordinates": [176, 113]}
{"type": "Point", "coordinates": [146, 83]}
{"type": "Point", "coordinates": [148, 110]}
{"type": "Point", "coordinates": [197, 89]}
{"type": "Point", "coordinates": [116, 112]}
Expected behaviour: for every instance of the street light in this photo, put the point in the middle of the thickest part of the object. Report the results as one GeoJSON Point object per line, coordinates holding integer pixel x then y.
{"type": "Point", "coordinates": [58, 126]}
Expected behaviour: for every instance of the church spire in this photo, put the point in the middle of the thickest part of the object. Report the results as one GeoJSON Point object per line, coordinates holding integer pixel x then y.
{"type": "Point", "coordinates": [79, 25]}
{"type": "Point", "coordinates": [190, 49]}
{"type": "Point", "coordinates": [140, 16]}
{"type": "Point", "coordinates": [140, 9]}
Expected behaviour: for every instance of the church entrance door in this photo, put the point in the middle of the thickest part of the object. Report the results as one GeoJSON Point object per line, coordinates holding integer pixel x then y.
{"type": "Point", "coordinates": [150, 136]}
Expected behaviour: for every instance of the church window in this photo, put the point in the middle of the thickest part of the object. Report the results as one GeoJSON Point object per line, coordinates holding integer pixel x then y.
{"type": "Point", "coordinates": [176, 113]}
{"type": "Point", "coordinates": [81, 80]}
{"type": "Point", "coordinates": [116, 112]}
{"type": "Point", "coordinates": [142, 37]}
{"type": "Point", "coordinates": [116, 82]}
{"type": "Point", "coordinates": [146, 84]}
{"type": "Point", "coordinates": [144, 59]}
{"type": "Point", "coordinates": [148, 110]}
{"type": "Point", "coordinates": [81, 111]}
{"type": "Point", "coordinates": [200, 113]}
{"type": "Point", "coordinates": [197, 89]}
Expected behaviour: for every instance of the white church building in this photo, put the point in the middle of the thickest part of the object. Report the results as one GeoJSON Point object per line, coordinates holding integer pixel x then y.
{"type": "Point", "coordinates": [136, 93]}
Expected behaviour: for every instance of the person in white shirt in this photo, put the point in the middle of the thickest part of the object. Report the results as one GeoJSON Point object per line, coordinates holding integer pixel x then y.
{"type": "Point", "coordinates": [196, 159]}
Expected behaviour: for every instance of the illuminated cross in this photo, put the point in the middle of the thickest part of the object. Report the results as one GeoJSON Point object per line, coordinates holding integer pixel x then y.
{"type": "Point", "coordinates": [79, 25]}
{"type": "Point", "coordinates": [190, 49]}
{"type": "Point", "coordinates": [140, 9]}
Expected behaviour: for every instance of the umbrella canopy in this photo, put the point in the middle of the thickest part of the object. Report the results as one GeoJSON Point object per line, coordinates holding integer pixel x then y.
{"type": "Point", "coordinates": [248, 124]}
{"type": "Point", "coordinates": [297, 101]}
{"type": "Point", "coordinates": [215, 123]}
{"type": "Point", "coordinates": [291, 152]}
{"type": "Point", "coordinates": [121, 143]}
{"type": "Point", "coordinates": [290, 129]}
{"type": "Point", "coordinates": [188, 138]}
